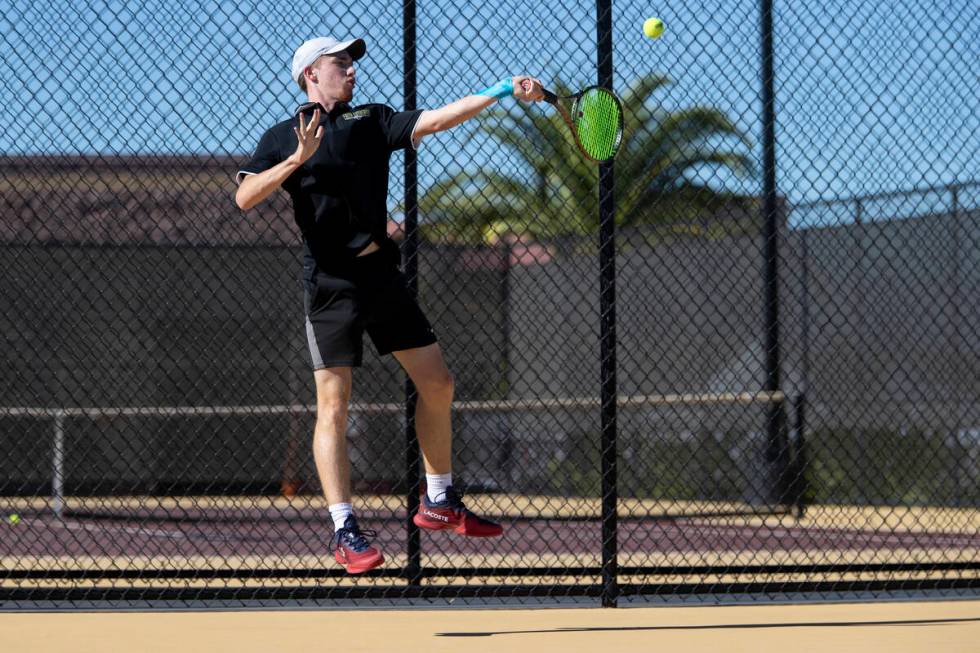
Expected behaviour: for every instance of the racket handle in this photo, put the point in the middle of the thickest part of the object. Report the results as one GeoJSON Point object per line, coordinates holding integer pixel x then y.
{"type": "Point", "coordinates": [549, 97]}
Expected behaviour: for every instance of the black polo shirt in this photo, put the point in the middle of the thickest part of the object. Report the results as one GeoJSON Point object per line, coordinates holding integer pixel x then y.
{"type": "Point", "coordinates": [340, 194]}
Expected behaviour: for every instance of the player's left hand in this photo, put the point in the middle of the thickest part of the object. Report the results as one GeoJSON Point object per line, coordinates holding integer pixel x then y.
{"type": "Point", "coordinates": [529, 89]}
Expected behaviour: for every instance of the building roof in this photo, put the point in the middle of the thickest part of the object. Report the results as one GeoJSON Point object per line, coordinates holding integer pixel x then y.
{"type": "Point", "coordinates": [158, 200]}
{"type": "Point", "coordinates": [126, 200]}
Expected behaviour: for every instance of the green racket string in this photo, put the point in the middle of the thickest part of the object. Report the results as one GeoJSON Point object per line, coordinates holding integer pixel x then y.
{"type": "Point", "coordinates": [598, 122]}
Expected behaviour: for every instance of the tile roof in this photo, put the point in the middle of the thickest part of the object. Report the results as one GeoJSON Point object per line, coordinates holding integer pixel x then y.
{"type": "Point", "coordinates": [160, 200]}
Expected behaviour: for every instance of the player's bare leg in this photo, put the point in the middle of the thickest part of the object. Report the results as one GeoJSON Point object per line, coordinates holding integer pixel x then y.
{"type": "Point", "coordinates": [333, 390]}
{"type": "Point", "coordinates": [433, 425]}
{"type": "Point", "coordinates": [428, 371]}
{"type": "Point", "coordinates": [350, 544]}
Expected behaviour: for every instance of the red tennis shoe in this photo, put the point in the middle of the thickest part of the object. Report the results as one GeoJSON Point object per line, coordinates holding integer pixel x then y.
{"type": "Point", "coordinates": [451, 514]}
{"type": "Point", "coordinates": [353, 550]}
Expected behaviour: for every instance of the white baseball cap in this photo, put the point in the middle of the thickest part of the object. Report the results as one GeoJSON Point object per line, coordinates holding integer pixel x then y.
{"type": "Point", "coordinates": [313, 49]}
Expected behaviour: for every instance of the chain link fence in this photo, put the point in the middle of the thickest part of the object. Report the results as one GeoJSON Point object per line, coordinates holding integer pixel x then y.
{"type": "Point", "coordinates": [740, 361]}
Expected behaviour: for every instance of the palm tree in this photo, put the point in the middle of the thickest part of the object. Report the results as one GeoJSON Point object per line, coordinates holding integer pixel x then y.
{"type": "Point", "coordinates": [557, 193]}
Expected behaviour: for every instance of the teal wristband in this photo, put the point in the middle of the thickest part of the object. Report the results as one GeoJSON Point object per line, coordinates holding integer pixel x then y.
{"type": "Point", "coordinates": [500, 90]}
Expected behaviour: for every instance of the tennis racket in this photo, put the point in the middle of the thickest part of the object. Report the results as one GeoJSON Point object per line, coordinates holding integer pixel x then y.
{"type": "Point", "coordinates": [595, 117]}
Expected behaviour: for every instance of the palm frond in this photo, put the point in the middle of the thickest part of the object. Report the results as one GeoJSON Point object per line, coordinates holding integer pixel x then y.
{"type": "Point", "coordinates": [660, 149]}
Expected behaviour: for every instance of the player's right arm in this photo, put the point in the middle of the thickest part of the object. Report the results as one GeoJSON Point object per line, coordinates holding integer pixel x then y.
{"type": "Point", "coordinates": [455, 113]}
{"type": "Point", "coordinates": [255, 188]}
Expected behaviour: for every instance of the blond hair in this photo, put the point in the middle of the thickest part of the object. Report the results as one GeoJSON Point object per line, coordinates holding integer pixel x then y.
{"type": "Point", "coordinates": [302, 75]}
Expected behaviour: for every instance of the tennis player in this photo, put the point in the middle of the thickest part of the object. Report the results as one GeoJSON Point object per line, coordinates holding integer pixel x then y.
{"type": "Point", "coordinates": [332, 158]}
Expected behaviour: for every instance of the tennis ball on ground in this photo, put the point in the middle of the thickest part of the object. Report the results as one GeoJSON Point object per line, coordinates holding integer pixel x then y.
{"type": "Point", "coordinates": [653, 27]}
{"type": "Point", "coordinates": [14, 519]}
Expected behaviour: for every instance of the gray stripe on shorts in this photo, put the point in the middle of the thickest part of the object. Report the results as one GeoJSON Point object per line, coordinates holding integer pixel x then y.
{"type": "Point", "coordinates": [311, 341]}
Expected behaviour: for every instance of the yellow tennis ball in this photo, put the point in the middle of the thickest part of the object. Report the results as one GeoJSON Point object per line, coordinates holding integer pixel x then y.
{"type": "Point", "coordinates": [653, 27]}
{"type": "Point", "coordinates": [14, 519]}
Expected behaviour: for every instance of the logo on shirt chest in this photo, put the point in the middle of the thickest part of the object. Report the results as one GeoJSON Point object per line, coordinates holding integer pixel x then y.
{"type": "Point", "coordinates": [356, 115]}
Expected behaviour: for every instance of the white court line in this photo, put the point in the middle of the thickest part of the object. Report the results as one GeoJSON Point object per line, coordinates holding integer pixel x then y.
{"type": "Point", "coordinates": [130, 530]}
{"type": "Point", "coordinates": [148, 532]}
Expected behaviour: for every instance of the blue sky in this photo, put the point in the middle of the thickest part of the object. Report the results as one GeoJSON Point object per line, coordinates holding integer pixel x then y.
{"type": "Point", "coordinates": [872, 96]}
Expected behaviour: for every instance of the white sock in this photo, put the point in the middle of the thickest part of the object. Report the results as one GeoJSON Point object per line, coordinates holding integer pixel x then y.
{"type": "Point", "coordinates": [437, 484]}
{"type": "Point", "coordinates": [340, 512]}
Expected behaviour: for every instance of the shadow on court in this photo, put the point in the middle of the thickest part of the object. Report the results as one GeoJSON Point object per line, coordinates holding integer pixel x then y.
{"type": "Point", "coordinates": [824, 624]}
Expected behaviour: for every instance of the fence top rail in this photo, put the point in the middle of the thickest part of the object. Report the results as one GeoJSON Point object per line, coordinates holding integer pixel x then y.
{"type": "Point", "coordinates": [625, 401]}
{"type": "Point", "coordinates": [871, 197]}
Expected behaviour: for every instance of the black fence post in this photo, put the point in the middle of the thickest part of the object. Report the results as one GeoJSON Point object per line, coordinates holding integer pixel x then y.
{"type": "Point", "coordinates": [413, 565]}
{"type": "Point", "coordinates": [777, 454]}
{"type": "Point", "coordinates": [799, 483]}
{"type": "Point", "coordinates": [607, 317]}
{"type": "Point", "coordinates": [960, 345]}
{"type": "Point", "coordinates": [865, 377]}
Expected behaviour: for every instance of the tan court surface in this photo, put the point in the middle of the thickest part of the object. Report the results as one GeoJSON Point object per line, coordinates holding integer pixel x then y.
{"type": "Point", "coordinates": [897, 627]}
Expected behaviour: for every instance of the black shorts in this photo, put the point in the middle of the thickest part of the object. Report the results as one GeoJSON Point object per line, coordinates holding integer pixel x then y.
{"type": "Point", "coordinates": [371, 296]}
